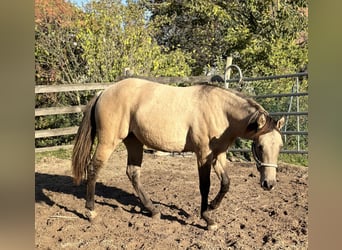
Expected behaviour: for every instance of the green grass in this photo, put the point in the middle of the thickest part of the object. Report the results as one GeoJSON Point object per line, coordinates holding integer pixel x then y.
{"type": "Point", "coordinates": [63, 154]}
{"type": "Point", "coordinates": [296, 159]}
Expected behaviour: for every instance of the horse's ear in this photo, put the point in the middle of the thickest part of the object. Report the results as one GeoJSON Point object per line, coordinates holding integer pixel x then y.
{"type": "Point", "coordinates": [281, 122]}
{"type": "Point", "coordinates": [261, 121]}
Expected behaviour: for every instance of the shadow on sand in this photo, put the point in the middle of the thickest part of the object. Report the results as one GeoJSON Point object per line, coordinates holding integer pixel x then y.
{"type": "Point", "coordinates": [64, 184]}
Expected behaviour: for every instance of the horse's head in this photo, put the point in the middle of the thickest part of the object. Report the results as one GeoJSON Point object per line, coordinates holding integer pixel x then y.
{"type": "Point", "coordinates": [265, 148]}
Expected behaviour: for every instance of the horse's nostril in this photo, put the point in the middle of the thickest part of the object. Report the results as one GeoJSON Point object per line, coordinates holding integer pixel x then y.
{"type": "Point", "coordinates": [267, 185]}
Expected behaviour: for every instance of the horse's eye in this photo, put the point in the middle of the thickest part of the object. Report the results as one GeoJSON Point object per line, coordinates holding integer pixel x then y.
{"type": "Point", "coordinates": [260, 147]}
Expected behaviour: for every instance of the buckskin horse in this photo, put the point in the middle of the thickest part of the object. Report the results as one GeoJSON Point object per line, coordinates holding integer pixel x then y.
{"type": "Point", "coordinates": [203, 119]}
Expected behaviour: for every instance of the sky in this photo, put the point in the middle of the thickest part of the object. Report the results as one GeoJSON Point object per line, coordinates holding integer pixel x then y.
{"type": "Point", "coordinates": [80, 2]}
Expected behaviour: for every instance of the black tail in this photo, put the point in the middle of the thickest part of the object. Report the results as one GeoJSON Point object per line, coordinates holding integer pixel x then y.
{"type": "Point", "coordinates": [81, 154]}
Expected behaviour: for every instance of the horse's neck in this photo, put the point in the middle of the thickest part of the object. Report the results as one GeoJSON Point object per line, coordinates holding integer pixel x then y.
{"type": "Point", "coordinates": [239, 113]}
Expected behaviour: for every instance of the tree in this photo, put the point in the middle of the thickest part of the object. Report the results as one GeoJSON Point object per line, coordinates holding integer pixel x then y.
{"type": "Point", "coordinates": [265, 37]}
{"type": "Point", "coordinates": [113, 44]}
{"type": "Point", "coordinates": [57, 53]}
{"type": "Point", "coordinates": [195, 27]}
{"type": "Point", "coordinates": [272, 36]}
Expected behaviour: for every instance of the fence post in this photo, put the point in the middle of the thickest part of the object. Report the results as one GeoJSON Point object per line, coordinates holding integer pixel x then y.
{"type": "Point", "coordinates": [227, 71]}
{"type": "Point", "coordinates": [297, 99]}
{"type": "Point", "coordinates": [289, 110]}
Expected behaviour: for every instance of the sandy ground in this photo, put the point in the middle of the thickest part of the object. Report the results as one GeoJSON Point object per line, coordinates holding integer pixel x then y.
{"type": "Point", "coordinates": [248, 218]}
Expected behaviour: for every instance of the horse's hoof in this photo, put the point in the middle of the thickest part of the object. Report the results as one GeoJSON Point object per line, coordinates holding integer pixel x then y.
{"type": "Point", "coordinates": [91, 215]}
{"type": "Point", "coordinates": [212, 227]}
{"type": "Point", "coordinates": [212, 206]}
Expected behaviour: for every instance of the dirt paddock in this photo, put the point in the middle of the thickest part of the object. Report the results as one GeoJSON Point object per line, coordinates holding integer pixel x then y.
{"type": "Point", "coordinates": [248, 218]}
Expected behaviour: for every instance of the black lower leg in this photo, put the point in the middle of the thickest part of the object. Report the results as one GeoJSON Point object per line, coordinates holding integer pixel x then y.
{"type": "Point", "coordinates": [91, 181]}
{"type": "Point", "coordinates": [204, 209]}
{"type": "Point", "coordinates": [223, 190]}
{"type": "Point", "coordinates": [90, 195]}
{"type": "Point", "coordinates": [204, 174]}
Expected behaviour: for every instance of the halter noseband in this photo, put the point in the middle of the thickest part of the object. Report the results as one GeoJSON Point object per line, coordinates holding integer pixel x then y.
{"type": "Point", "coordinates": [260, 163]}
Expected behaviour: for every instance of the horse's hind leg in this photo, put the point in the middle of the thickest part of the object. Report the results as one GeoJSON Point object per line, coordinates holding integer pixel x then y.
{"type": "Point", "coordinates": [101, 156]}
{"type": "Point", "coordinates": [134, 160]}
{"type": "Point", "coordinates": [218, 165]}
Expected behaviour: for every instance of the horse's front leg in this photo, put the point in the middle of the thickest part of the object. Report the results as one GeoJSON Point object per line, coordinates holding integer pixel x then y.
{"type": "Point", "coordinates": [218, 165]}
{"type": "Point", "coordinates": [204, 166]}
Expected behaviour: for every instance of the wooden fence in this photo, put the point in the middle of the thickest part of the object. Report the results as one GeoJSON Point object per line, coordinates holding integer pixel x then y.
{"type": "Point", "coordinates": [39, 89]}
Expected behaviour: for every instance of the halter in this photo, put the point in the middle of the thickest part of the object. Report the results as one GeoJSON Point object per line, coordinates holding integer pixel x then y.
{"type": "Point", "coordinates": [260, 163]}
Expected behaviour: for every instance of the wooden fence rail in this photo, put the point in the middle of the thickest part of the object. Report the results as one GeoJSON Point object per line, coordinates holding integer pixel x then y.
{"type": "Point", "coordinates": [39, 89]}
{"type": "Point", "coordinates": [55, 132]}
{"type": "Point", "coordinates": [59, 110]}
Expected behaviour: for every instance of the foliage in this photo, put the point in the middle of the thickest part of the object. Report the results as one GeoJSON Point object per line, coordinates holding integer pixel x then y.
{"type": "Point", "coordinates": [59, 154]}
{"type": "Point", "coordinates": [297, 159]}
{"type": "Point", "coordinates": [113, 44]}
{"type": "Point", "coordinates": [273, 38]}
{"type": "Point", "coordinates": [57, 53]}
{"type": "Point", "coordinates": [265, 37]}
{"type": "Point", "coordinates": [196, 27]}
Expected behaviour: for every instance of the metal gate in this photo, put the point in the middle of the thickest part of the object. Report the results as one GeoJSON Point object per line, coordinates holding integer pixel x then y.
{"type": "Point", "coordinates": [295, 99]}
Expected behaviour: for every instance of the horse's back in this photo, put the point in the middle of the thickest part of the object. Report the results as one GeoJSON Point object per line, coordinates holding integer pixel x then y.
{"type": "Point", "coordinates": [146, 96]}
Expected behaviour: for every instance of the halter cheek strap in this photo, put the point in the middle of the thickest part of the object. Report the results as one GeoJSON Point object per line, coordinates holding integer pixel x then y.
{"type": "Point", "coordinates": [260, 163]}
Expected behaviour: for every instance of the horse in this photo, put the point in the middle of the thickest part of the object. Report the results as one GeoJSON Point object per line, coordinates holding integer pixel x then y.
{"type": "Point", "coordinates": [203, 119]}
